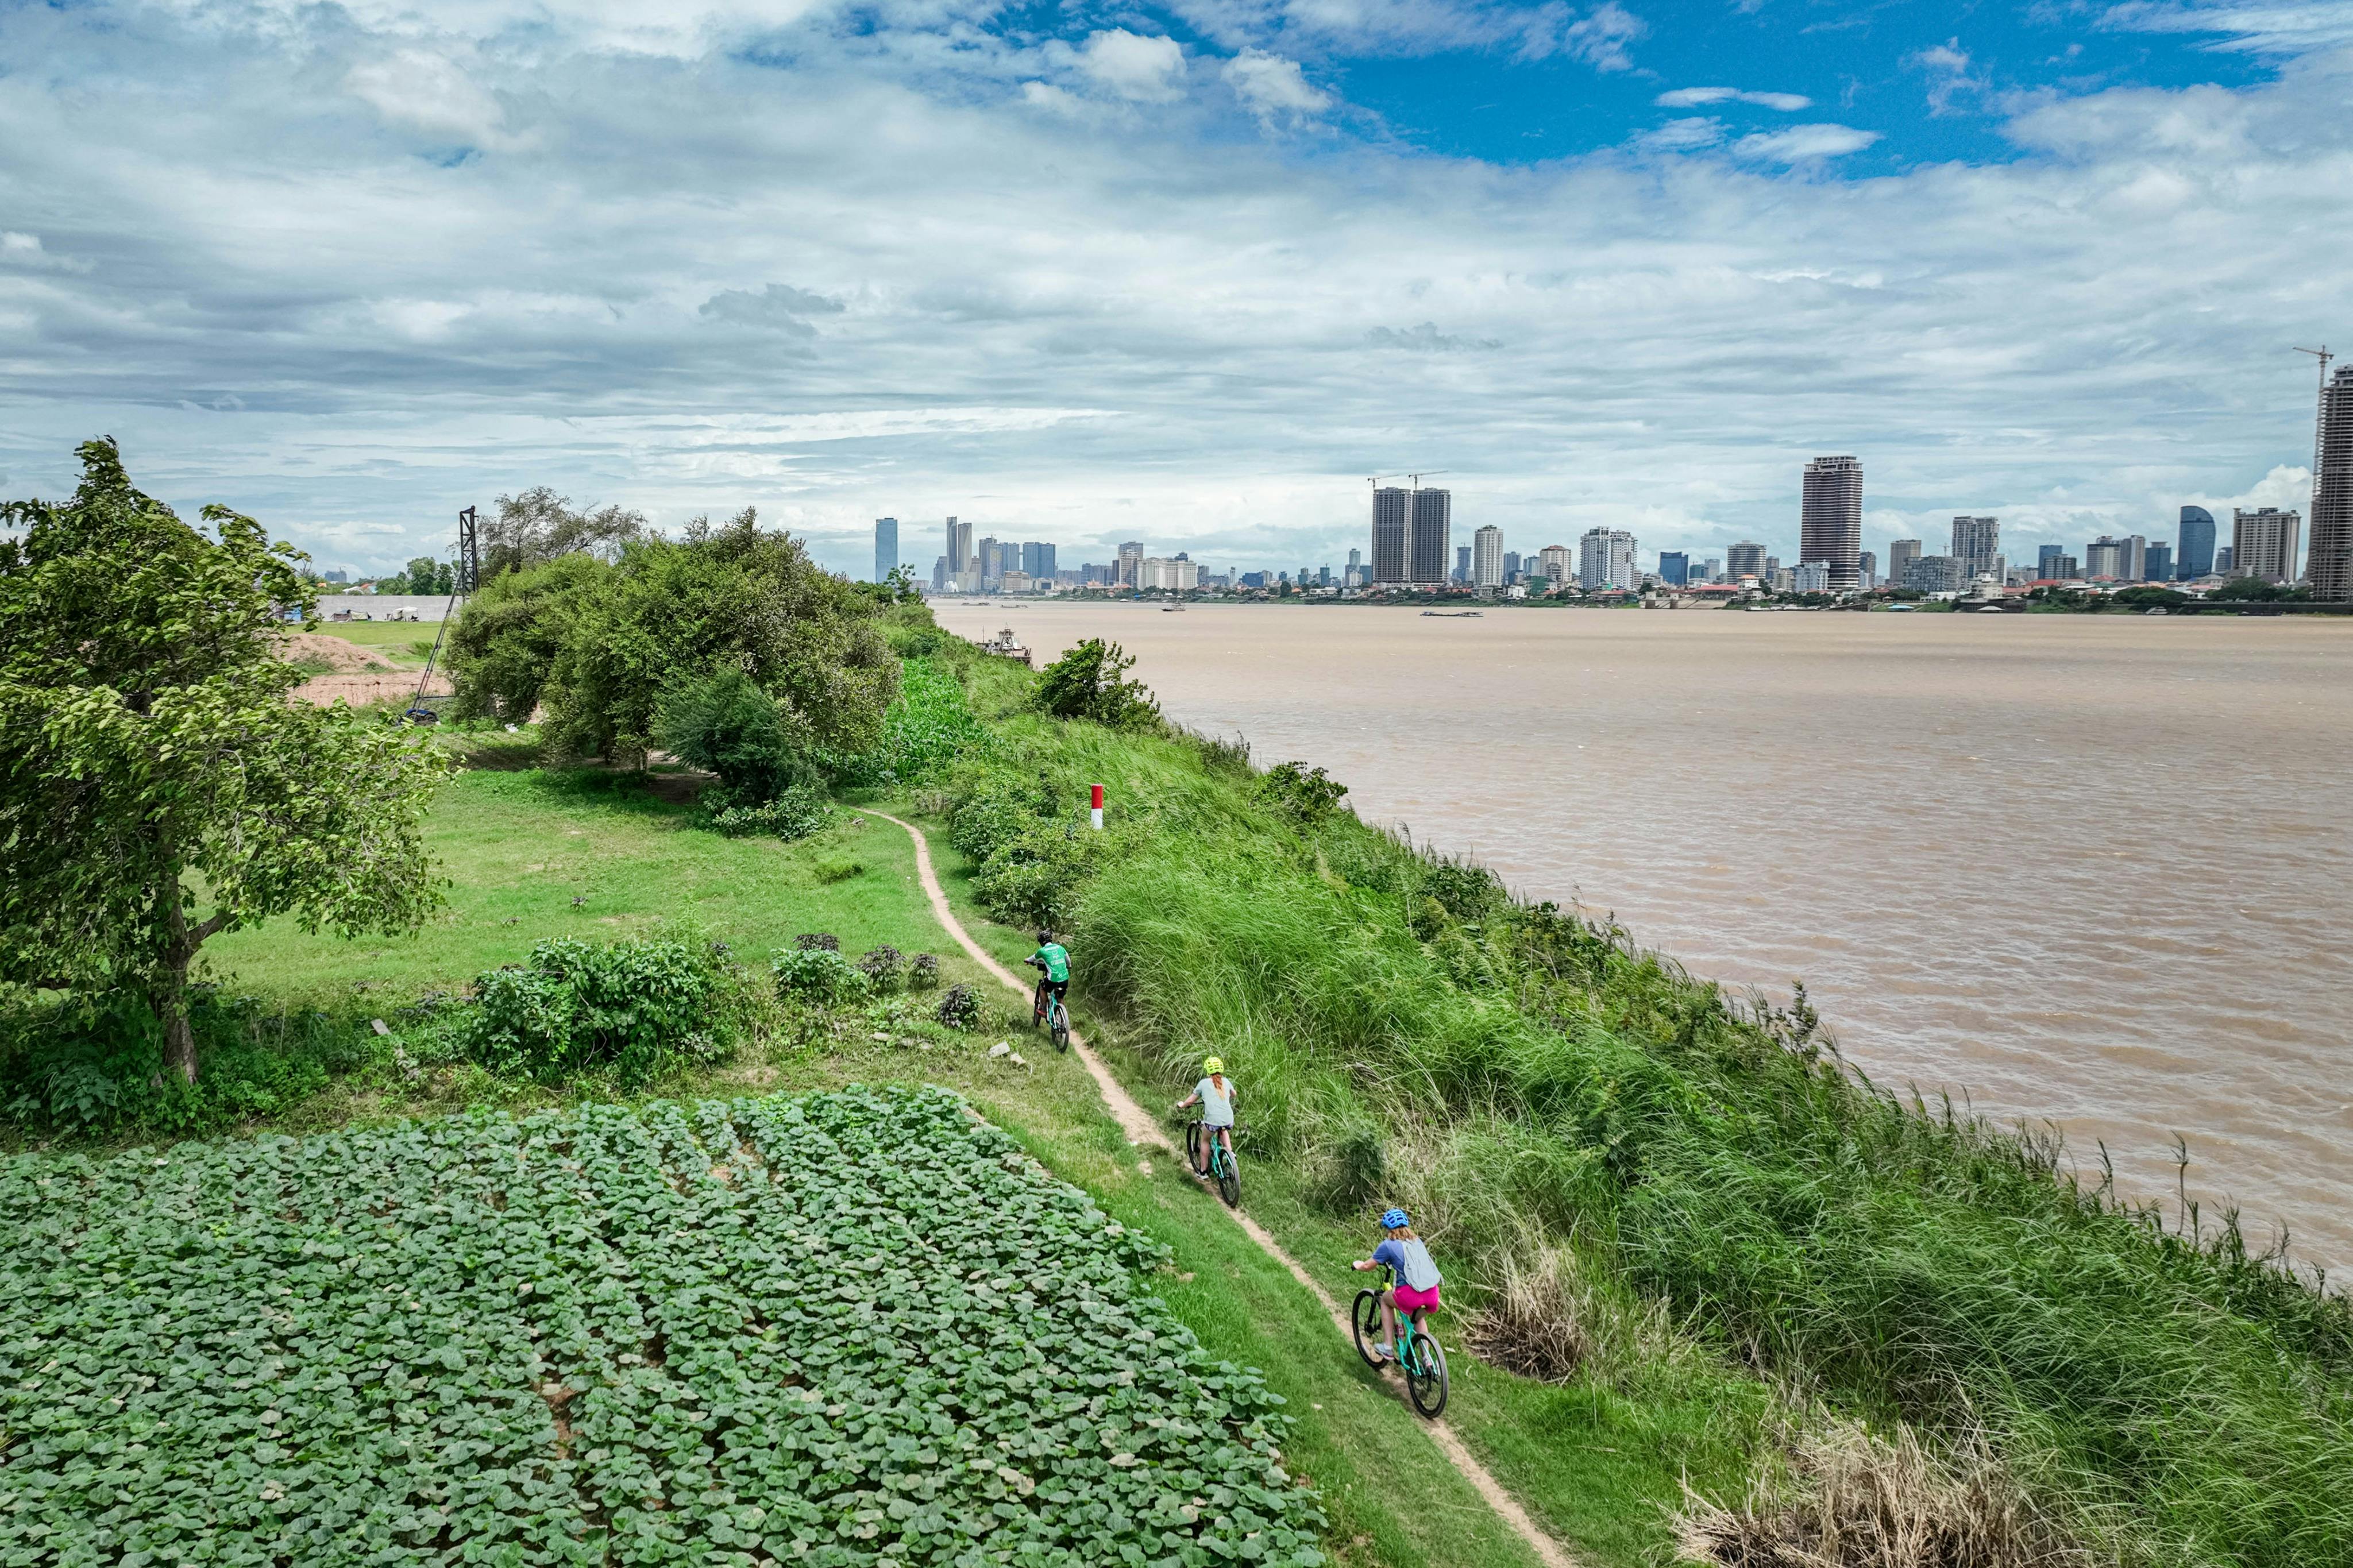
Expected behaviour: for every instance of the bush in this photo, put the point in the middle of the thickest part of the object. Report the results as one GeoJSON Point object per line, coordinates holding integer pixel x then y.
{"type": "Point", "coordinates": [795, 813]}
{"type": "Point", "coordinates": [809, 941]}
{"type": "Point", "coordinates": [1031, 866]}
{"type": "Point", "coordinates": [1091, 682]}
{"type": "Point", "coordinates": [630, 1008]}
{"type": "Point", "coordinates": [1307, 796]}
{"type": "Point", "coordinates": [880, 966]}
{"type": "Point", "coordinates": [960, 1008]}
{"type": "Point", "coordinates": [831, 871]}
{"type": "Point", "coordinates": [724, 724]}
{"type": "Point", "coordinates": [923, 972]}
{"type": "Point", "coordinates": [930, 726]}
{"type": "Point", "coordinates": [819, 975]}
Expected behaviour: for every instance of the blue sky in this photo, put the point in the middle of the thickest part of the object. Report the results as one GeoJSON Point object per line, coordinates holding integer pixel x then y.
{"type": "Point", "coordinates": [1182, 273]}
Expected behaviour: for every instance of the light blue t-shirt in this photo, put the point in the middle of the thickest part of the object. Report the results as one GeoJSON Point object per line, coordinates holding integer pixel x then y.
{"type": "Point", "coordinates": [1217, 1109]}
{"type": "Point", "coordinates": [1415, 1271]}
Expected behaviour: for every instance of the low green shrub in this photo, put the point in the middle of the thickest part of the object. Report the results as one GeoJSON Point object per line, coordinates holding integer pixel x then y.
{"type": "Point", "coordinates": [882, 967]}
{"type": "Point", "coordinates": [795, 813]}
{"type": "Point", "coordinates": [930, 727]}
{"type": "Point", "coordinates": [959, 1008]}
{"type": "Point", "coordinates": [828, 872]}
{"type": "Point", "coordinates": [724, 723]}
{"type": "Point", "coordinates": [819, 975]}
{"type": "Point", "coordinates": [628, 1009]}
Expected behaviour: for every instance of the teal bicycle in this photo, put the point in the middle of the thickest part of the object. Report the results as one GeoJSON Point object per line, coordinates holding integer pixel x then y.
{"type": "Point", "coordinates": [1419, 1353]}
{"type": "Point", "coordinates": [1207, 1154]}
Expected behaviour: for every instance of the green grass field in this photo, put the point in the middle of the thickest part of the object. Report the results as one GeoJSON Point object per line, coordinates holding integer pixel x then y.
{"type": "Point", "coordinates": [394, 642]}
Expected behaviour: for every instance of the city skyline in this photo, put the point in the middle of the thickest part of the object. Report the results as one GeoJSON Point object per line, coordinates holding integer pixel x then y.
{"type": "Point", "coordinates": [1708, 234]}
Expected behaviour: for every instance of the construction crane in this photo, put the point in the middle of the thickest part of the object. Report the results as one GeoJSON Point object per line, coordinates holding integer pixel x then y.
{"type": "Point", "coordinates": [2319, 421]}
{"type": "Point", "coordinates": [1417, 478]}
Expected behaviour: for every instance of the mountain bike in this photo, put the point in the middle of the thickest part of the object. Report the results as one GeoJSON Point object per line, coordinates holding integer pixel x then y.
{"type": "Point", "coordinates": [1419, 1353]}
{"type": "Point", "coordinates": [1207, 1157]}
{"type": "Point", "coordinates": [1048, 1010]}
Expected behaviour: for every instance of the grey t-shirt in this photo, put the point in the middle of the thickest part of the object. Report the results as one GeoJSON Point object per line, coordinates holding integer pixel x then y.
{"type": "Point", "coordinates": [1217, 1109]}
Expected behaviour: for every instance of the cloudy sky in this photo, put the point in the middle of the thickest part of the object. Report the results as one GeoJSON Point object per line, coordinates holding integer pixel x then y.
{"type": "Point", "coordinates": [1185, 273]}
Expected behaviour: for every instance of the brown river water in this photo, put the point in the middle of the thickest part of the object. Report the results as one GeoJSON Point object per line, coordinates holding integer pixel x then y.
{"type": "Point", "coordinates": [2094, 871]}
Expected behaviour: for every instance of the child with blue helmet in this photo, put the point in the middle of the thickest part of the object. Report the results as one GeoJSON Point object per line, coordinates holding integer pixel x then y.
{"type": "Point", "coordinates": [1416, 1291]}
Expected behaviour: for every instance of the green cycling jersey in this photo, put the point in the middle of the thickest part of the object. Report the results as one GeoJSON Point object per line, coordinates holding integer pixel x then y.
{"type": "Point", "coordinates": [1056, 960]}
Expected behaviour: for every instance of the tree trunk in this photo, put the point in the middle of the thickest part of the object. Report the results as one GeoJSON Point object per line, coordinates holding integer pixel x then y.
{"type": "Point", "coordinates": [170, 997]}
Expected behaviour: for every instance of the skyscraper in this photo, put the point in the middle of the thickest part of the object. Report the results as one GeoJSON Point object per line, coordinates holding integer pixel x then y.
{"type": "Point", "coordinates": [1976, 541]}
{"type": "Point", "coordinates": [1744, 560]}
{"type": "Point", "coordinates": [2331, 568]}
{"type": "Point", "coordinates": [2156, 564]}
{"type": "Point", "coordinates": [991, 556]}
{"type": "Point", "coordinates": [2222, 561]}
{"type": "Point", "coordinates": [1674, 567]}
{"type": "Point", "coordinates": [1831, 525]}
{"type": "Point", "coordinates": [1604, 559]}
{"type": "Point", "coordinates": [1867, 568]}
{"type": "Point", "coordinates": [1901, 553]}
{"type": "Point", "coordinates": [2045, 559]}
{"type": "Point", "coordinates": [1390, 562]}
{"type": "Point", "coordinates": [2193, 555]}
{"type": "Point", "coordinates": [1432, 516]}
{"type": "Point", "coordinates": [959, 548]}
{"type": "Point", "coordinates": [2263, 543]}
{"type": "Point", "coordinates": [1131, 560]}
{"type": "Point", "coordinates": [1487, 558]}
{"type": "Point", "coordinates": [1553, 568]}
{"type": "Point", "coordinates": [1461, 563]}
{"type": "Point", "coordinates": [1038, 560]}
{"type": "Point", "coordinates": [886, 547]}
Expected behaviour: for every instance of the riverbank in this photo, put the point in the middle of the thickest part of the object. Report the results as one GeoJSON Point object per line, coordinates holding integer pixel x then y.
{"type": "Point", "coordinates": [1684, 1246]}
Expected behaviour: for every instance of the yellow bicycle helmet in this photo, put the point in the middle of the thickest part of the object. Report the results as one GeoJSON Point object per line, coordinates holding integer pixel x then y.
{"type": "Point", "coordinates": [1213, 1065]}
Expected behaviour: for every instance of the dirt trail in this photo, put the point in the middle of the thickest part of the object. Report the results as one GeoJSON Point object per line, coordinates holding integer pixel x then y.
{"type": "Point", "coordinates": [1144, 1130]}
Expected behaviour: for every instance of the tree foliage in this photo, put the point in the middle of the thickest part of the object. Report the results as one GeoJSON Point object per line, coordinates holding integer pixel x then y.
{"type": "Point", "coordinates": [724, 724]}
{"type": "Point", "coordinates": [423, 575]}
{"type": "Point", "coordinates": [540, 526]}
{"type": "Point", "coordinates": [1091, 682]}
{"type": "Point", "coordinates": [147, 743]}
{"type": "Point", "coordinates": [601, 646]}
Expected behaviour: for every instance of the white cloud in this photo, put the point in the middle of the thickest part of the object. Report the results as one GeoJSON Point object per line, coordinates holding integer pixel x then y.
{"type": "Point", "coordinates": [1132, 65]}
{"type": "Point", "coordinates": [1947, 67]}
{"type": "Point", "coordinates": [427, 91]}
{"type": "Point", "coordinates": [1700, 96]}
{"type": "Point", "coordinates": [1683, 135]}
{"type": "Point", "coordinates": [2261, 26]}
{"type": "Point", "coordinates": [1804, 144]}
{"type": "Point", "coordinates": [1601, 37]}
{"type": "Point", "coordinates": [1272, 86]}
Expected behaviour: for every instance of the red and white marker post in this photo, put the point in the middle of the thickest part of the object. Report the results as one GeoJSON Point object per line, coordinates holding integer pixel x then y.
{"type": "Point", "coordinates": [1094, 805]}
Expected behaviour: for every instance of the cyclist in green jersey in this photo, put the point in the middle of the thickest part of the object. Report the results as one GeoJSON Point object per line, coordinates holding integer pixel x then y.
{"type": "Point", "coordinates": [1052, 961]}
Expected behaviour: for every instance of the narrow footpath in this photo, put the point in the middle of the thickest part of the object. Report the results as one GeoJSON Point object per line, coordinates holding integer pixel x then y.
{"type": "Point", "coordinates": [1144, 1131]}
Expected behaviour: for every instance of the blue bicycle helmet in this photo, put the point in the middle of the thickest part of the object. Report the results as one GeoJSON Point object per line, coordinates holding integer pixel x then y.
{"type": "Point", "coordinates": [1395, 1219]}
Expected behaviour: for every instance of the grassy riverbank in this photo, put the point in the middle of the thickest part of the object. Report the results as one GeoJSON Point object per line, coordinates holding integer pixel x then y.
{"type": "Point", "coordinates": [1616, 1147]}
{"type": "Point", "coordinates": [1689, 1248]}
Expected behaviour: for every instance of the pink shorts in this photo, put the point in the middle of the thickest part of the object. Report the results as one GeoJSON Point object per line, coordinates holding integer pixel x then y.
{"type": "Point", "coordinates": [1409, 1300]}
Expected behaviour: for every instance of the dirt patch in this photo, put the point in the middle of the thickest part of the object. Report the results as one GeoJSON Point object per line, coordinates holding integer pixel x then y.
{"type": "Point", "coordinates": [340, 655]}
{"type": "Point", "coordinates": [386, 685]}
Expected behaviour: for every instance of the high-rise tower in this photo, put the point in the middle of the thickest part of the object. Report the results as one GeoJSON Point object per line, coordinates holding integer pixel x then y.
{"type": "Point", "coordinates": [959, 548]}
{"type": "Point", "coordinates": [886, 547]}
{"type": "Point", "coordinates": [2193, 548]}
{"type": "Point", "coordinates": [1391, 563]}
{"type": "Point", "coordinates": [1829, 527]}
{"type": "Point", "coordinates": [2331, 562]}
{"type": "Point", "coordinates": [1976, 541]}
{"type": "Point", "coordinates": [1432, 518]}
{"type": "Point", "coordinates": [1487, 557]}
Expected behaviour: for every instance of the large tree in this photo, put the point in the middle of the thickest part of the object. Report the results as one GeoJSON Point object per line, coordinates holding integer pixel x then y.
{"type": "Point", "coordinates": [157, 784]}
{"type": "Point", "coordinates": [601, 648]}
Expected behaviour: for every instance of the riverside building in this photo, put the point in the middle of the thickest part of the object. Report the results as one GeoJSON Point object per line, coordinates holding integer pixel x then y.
{"type": "Point", "coordinates": [1487, 559]}
{"type": "Point", "coordinates": [1977, 541]}
{"type": "Point", "coordinates": [1432, 516]}
{"type": "Point", "coordinates": [1390, 528]}
{"type": "Point", "coordinates": [2193, 547]}
{"type": "Point", "coordinates": [1745, 558]}
{"type": "Point", "coordinates": [1829, 527]}
{"type": "Point", "coordinates": [886, 547]}
{"type": "Point", "coordinates": [2265, 544]}
{"type": "Point", "coordinates": [2331, 567]}
{"type": "Point", "coordinates": [1604, 559]}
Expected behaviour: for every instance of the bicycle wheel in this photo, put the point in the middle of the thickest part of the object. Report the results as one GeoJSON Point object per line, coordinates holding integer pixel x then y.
{"type": "Point", "coordinates": [1425, 1376]}
{"type": "Point", "coordinates": [1229, 1181]}
{"type": "Point", "coordinates": [1193, 1148]}
{"type": "Point", "coordinates": [1365, 1323]}
{"type": "Point", "coordinates": [1061, 1023]}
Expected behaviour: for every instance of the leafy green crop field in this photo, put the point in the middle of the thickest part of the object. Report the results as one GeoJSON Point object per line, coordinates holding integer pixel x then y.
{"type": "Point", "coordinates": [856, 1328]}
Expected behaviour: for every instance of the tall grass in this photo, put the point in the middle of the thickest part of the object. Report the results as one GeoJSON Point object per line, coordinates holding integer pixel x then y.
{"type": "Point", "coordinates": [2172, 1396]}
